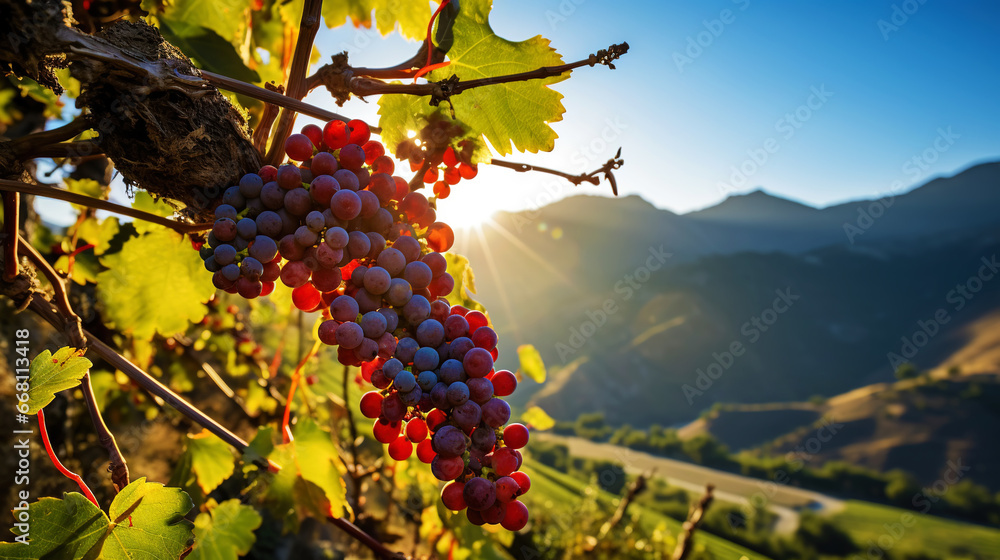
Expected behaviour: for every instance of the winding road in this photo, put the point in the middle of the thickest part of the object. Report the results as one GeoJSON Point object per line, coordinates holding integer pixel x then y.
{"type": "Point", "coordinates": [782, 500]}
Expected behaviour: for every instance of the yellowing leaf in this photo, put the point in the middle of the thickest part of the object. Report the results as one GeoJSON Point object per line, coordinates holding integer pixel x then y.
{"type": "Point", "coordinates": [87, 187]}
{"type": "Point", "coordinates": [155, 284]}
{"type": "Point", "coordinates": [538, 419]}
{"type": "Point", "coordinates": [531, 363]}
{"type": "Point", "coordinates": [464, 292]}
{"type": "Point", "coordinates": [510, 115]}
{"type": "Point", "coordinates": [359, 12]}
{"type": "Point", "coordinates": [49, 374]}
{"type": "Point", "coordinates": [225, 532]}
{"type": "Point", "coordinates": [144, 201]}
{"type": "Point", "coordinates": [411, 17]}
{"type": "Point", "coordinates": [211, 460]}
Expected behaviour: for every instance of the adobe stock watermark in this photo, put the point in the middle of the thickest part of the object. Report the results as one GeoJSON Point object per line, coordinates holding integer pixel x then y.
{"type": "Point", "coordinates": [752, 331]}
{"type": "Point", "coordinates": [562, 13]}
{"type": "Point", "coordinates": [958, 297]}
{"type": "Point", "coordinates": [922, 502]}
{"type": "Point", "coordinates": [713, 29]}
{"type": "Point", "coordinates": [797, 460]}
{"type": "Point", "coordinates": [899, 17]}
{"type": "Point", "coordinates": [625, 289]}
{"type": "Point", "coordinates": [787, 126]}
{"type": "Point", "coordinates": [915, 168]}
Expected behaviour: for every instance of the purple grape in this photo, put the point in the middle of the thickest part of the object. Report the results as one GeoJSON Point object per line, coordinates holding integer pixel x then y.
{"type": "Point", "coordinates": [479, 494]}
{"type": "Point", "coordinates": [377, 281]}
{"type": "Point", "coordinates": [418, 275]}
{"type": "Point", "coordinates": [391, 318]}
{"type": "Point", "coordinates": [406, 348]}
{"type": "Point", "coordinates": [233, 197]}
{"type": "Point", "coordinates": [369, 204]}
{"type": "Point", "coordinates": [409, 247]}
{"type": "Point", "coordinates": [449, 441]}
{"type": "Point", "coordinates": [347, 179]}
{"type": "Point", "coordinates": [337, 238]}
{"type": "Point", "coordinates": [455, 326]}
{"type": "Point", "coordinates": [458, 393]}
{"type": "Point", "coordinates": [225, 211]}
{"type": "Point", "coordinates": [430, 333]}
{"type": "Point", "coordinates": [251, 268]}
{"type": "Point", "coordinates": [373, 324]}
{"type": "Point", "coordinates": [344, 308]}
{"type": "Point", "coordinates": [315, 221]}
{"type": "Point", "coordinates": [452, 371]}
{"type": "Point", "coordinates": [417, 310]}
{"type": "Point", "coordinates": [480, 389]}
{"type": "Point", "coordinates": [381, 221]}
{"type": "Point", "coordinates": [367, 350]}
{"type": "Point", "coordinates": [367, 301]}
{"type": "Point", "coordinates": [425, 359]}
{"type": "Point", "coordinates": [327, 257]}
{"type": "Point", "coordinates": [224, 254]}
{"type": "Point", "coordinates": [392, 260]}
{"type": "Point", "coordinates": [477, 362]}
{"type": "Point", "coordinates": [289, 177]}
{"type": "Point", "coordinates": [298, 202]}
{"type": "Point", "coordinates": [484, 438]}
{"type": "Point", "coordinates": [412, 397]}
{"type": "Point", "coordinates": [393, 408]}
{"type": "Point", "coordinates": [289, 249]}
{"type": "Point", "coordinates": [496, 412]}
{"type": "Point", "coordinates": [399, 292]}
{"type": "Point", "coordinates": [231, 272]}
{"type": "Point", "coordinates": [358, 244]}
{"type": "Point", "coordinates": [467, 415]}
{"type": "Point", "coordinates": [439, 395]}
{"type": "Point", "coordinates": [379, 380]}
{"type": "Point", "coordinates": [391, 367]}
{"type": "Point", "coordinates": [345, 204]}
{"type": "Point", "coordinates": [404, 381]}
{"type": "Point", "coordinates": [269, 223]}
{"type": "Point", "coordinates": [349, 335]}
{"type": "Point", "coordinates": [251, 185]}
{"type": "Point", "coordinates": [246, 228]}
{"type": "Point", "coordinates": [378, 244]}
{"type": "Point", "coordinates": [272, 196]}
{"type": "Point", "coordinates": [427, 380]}
{"type": "Point", "coordinates": [305, 236]}
{"type": "Point", "coordinates": [224, 229]}
{"type": "Point", "coordinates": [358, 276]}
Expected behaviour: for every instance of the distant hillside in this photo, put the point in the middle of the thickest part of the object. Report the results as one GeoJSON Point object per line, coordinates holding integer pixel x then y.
{"type": "Point", "coordinates": [917, 425]}
{"type": "Point", "coordinates": [583, 261]}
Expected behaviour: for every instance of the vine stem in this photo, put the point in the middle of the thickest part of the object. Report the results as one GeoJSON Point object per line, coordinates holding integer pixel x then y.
{"type": "Point", "coordinates": [118, 466]}
{"type": "Point", "coordinates": [685, 542]}
{"type": "Point", "coordinates": [364, 538]}
{"type": "Point", "coordinates": [25, 146]}
{"type": "Point", "coordinates": [272, 97]}
{"type": "Point", "coordinates": [91, 202]}
{"type": "Point", "coordinates": [296, 84]}
{"type": "Point", "coordinates": [592, 177]}
{"type": "Point", "coordinates": [73, 325]}
{"type": "Point", "coordinates": [58, 464]}
{"type": "Point", "coordinates": [11, 227]}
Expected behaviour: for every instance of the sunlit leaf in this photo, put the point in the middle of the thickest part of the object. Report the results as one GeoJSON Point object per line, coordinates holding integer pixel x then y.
{"type": "Point", "coordinates": [225, 532]}
{"type": "Point", "coordinates": [50, 373]}
{"type": "Point", "coordinates": [67, 527]}
{"type": "Point", "coordinates": [464, 292]}
{"type": "Point", "coordinates": [538, 419]}
{"type": "Point", "coordinates": [155, 284]}
{"type": "Point", "coordinates": [211, 460]}
{"type": "Point", "coordinates": [531, 363]}
{"type": "Point", "coordinates": [147, 521]}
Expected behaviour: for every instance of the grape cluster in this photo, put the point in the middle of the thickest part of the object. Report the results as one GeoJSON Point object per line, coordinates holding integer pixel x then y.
{"type": "Point", "coordinates": [430, 150]}
{"type": "Point", "coordinates": [354, 243]}
{"type": "Point", "coordinates": [440, 392]}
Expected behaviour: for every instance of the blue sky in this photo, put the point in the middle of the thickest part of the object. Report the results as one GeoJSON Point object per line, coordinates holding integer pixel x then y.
{"type": "Point", "coordinates": [708, 85]}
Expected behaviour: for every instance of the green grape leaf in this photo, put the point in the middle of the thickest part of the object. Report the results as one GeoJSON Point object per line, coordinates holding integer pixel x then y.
{"type": "Point", "coordinates": [227, 19]}
{"type": "Point", "coordinates": [464, 292]}
{"type": "Point", "coordinates": [30, 88]}
{"type": "Point", "coordinates": [211, 460]}
{"type": "Point", "coordinates": [66, 529]}
{"type": "Point", "coordinates": [98, 233]}
{"type": "Point", "coordinates": [411, 18]}
{"type": "Point", "coordinates": [309, 482]}
{"type": "Point", "coordinates": [85, 267]}
{"type": "Point", "coordinates": [155, 284]}
{"type": "Point", "coordinates": [358, 11]}
{"type": "Point", "coordinates": [538, 419]}
{"type": "Point", "coordinates": [147, 521]}
{"type": "Point", "coordinates": [145, 202]}
{"type": "Point", "coordinates": [209, 50]}
{"type": "Point", "coordinates": [531, 363]}
{"type": "Point", "coordinates": [86, 187]}
{"type": "Point", "coordinates": [50, 373]}
{"type": "Point", "coordinates": [515, 114]}
{"type": "Point", "coordinates": [225, 532]}
{"type": "Point", "coordinates": [261, 445]}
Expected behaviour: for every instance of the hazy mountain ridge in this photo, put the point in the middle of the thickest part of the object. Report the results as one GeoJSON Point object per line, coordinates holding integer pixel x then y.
{"type": "Point", "coordinates": [564, 265]}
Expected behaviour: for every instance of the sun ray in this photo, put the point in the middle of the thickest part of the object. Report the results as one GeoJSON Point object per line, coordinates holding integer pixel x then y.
{"type": "Point", "coordinates": [531, 253]}
{"type": "Point", "coordinates": [504, 299]}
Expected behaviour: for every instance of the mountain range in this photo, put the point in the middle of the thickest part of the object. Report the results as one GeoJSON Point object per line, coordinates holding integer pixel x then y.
{"type": "Point", "coordinates": [652, 317]}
